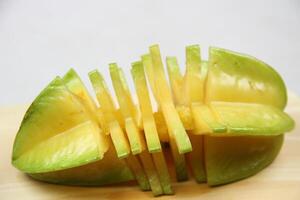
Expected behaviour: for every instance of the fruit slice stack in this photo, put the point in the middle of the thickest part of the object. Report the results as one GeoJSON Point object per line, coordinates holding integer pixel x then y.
{"type": "Point", "coordinates": [221, 121]}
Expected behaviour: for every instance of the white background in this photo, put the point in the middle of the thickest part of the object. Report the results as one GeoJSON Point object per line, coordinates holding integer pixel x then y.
{"type": "Point", "coordinates": [41, 39]}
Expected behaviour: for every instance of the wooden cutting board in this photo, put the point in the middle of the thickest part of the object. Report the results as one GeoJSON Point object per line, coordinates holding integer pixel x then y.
{"type": "Point", "coordinates": [281, 180]}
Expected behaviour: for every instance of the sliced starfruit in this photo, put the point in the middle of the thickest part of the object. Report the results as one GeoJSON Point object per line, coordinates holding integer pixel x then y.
{"type": "Point", "coordinates": [224, 116]}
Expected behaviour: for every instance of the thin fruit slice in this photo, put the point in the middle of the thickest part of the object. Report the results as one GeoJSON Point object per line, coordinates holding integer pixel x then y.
{"type": "Point", "coordinates": [151, 134]}
{"type": "Point", "coordinates": [178, 158]}
{"type": "Point", "coordinates": [193, 81]}
{"type": "Point", "coordinates": [179, 162]}
{"type": "Point", "coordinates": [119, 139]}
{"type": "Point", "coordinates": [174, 124]}
{"type": "Point", "coordinates": [130, 117]}
{"type": "Point", "coordinates": [139, 172]}
{"type": "Point", "coordinates": [151, 173]}
{"type": "Point", "coordinates": [54, 111]}
{"type": "Point", "coordinates": [128, 109]}
{"type": "Point", "coordinates": [149, 125]}
{"type": "Point", "coordinates": [137, 142]}
{"type": "Point", "coordinates": [161, 126]}
{"type": "Point", "coordinates": [176, 81]}
{"type": "Point", "coordinates": [229, 159]}
{"type": "Point", "coordinates": [195, 84]}
{"type": "Point", "coordinates": [163, 173]}
{"type": "Point", "coordinates": [252, 119]}
{"type": "Point", "coordinates": [76, 86]}
{"type": "Point", "coordinates": [179, 85]}
{"type": "Point", "coordinates": [158, 116]}
{"type": "Point", "coordinates": [235, 77]}
{"type": "Point", "coordinates": [74, 147]}
{"type": "Point", "coordinates": [179, 93]}
{"type": "Point", "coordinates": [108, 170]}
{"type": "Point", "coordinates": [110, 114]}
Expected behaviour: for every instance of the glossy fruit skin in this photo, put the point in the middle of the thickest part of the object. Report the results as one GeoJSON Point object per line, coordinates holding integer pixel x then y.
{"type": "Point", "coordinates": [235, 77]}
{"type": "Point", "coordinates": [43, 108]}
{"type": "Point", "coordinates": [229, 159]}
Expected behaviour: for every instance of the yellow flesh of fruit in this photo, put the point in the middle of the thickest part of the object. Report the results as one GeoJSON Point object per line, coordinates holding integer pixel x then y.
{"type": "Point", "coordinates": [113, 127]}
{"type": "Point", "coordinates": [128, 110]}
{"type": "Point", "coordinates": [174, 124]}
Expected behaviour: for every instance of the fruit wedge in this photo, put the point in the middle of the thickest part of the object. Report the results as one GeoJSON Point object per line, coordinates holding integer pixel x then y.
{"type": "Point", "coordinates": [110, 169]}
{"type": "Point", "coordinates": [68, 140]}
{"type": "Point", "coordinates": [239, 118]}
{"type": "Point", "coordinates": [74, 147]}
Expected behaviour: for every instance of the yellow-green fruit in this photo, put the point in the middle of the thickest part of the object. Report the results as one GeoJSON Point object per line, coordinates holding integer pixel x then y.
{"type": "Point", "coordinates": [226, 114]}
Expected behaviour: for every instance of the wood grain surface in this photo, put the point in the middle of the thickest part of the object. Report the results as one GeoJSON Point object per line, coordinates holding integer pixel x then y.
{"type": "Point", "coordinates": [281, 180]}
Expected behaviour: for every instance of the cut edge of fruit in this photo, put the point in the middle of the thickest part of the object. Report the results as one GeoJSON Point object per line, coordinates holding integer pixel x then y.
{"type": "Point", "coordinates": [127, 109]}
{"type": "Point", "coordinates": [113, 127]}
{"type": "Point", "coordinates": [150, 131]}
{"type": "Point", "coordinates": [172, 118]}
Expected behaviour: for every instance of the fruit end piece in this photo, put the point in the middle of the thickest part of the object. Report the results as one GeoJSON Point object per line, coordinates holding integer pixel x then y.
{"type": "Point", "coordinates": [235, 77]}
{"type": "Point", "coordinates": [74, 147]}
{"type": "Point", "coordinates": [229, 159]}
{"type": "Point", "coordinates": [254, 119]}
